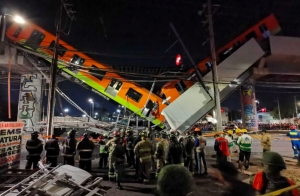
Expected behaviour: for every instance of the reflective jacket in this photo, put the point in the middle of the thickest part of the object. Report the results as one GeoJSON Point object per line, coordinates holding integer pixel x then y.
{"type": "Point", "coordinates": [161, 149]}
{"type": "Point", "coordinates": [52, 148]}
{"type": "Point", "coordinates": [245, 142]}
{"type": "Point", "coordinates": [85, 149]}
{"type": "Point", "coordinates": [294, 135]}
{"type": "Point", "coordinates": [266, 141]}
{"type": "Point", "coordinates": [221, 146]}
{"type": "Point", "coordinates": [230, 141]}
{"type": "Point", "coordinates": [34, 147]}
{"type": "Point", "coordinates": [144, 151]}
{"type": "Point", "coordinates": [69, 147]}
{"type": "Point", "coordinates": [263, 185]}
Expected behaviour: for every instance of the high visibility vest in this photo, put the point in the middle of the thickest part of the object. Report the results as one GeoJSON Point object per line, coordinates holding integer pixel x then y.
{"type": "Point", "coordinates": [103, 149]}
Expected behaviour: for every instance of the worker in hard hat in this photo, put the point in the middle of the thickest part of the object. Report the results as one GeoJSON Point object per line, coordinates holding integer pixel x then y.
{"type": "Point", "coordinates": [235, 136]}
{"type": "Point", "coordinates": [34, 146]}
{"type": "Point", "coordinates": [161, 151]}
{"type": "Point", "coordinates": [265, 140]}
{"type": "Point", "coordinates": [110, 145]}
{"type": "Point", "coordinates": [270, 179]}
{"type": "Point", "coordinates": [230, 143]}
{"type": "Point", "coordinates": [221, 148]}
{"type": "Point", "coordinates": [69, 148]}
{"type": "Point", "coordinates": [245, 143]}
{"type": "Point", "coordinates": [295, 136]}
{"type": "Point", "coordinates": [129, 143]}
{"type": "Point", "coordinates": [103, 156]}
{"type": "Point", "coordinates": [85, 148]}
{"type": "Point", "coordinates": [145, 152]}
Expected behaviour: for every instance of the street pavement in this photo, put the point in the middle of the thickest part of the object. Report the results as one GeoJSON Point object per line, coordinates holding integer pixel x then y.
{"type": "Point", "coordinates": [132, 188]}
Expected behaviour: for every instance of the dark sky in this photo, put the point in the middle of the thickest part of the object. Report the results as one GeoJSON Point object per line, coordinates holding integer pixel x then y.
{"type": "Point", "coordinates": [136, 32]}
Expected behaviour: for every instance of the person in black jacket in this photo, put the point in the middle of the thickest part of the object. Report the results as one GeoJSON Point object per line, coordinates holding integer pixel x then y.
{"type": "Point", "coordinates": [189, 145]}
{"type": "Point", "coordinates": [176, 152]}
{"type": "Point", "coordinates": [69, 148]}
{"type": "Point", "coordinates": [34, 146]}
{"type": "Point", "coordinates": [85, 148]}
{"type": "Point", "coordinates": [129, 148]}
{"type": "Point", "coordinates": [52, 149]}
{"type": "Point", "coordinates": [137, 161]}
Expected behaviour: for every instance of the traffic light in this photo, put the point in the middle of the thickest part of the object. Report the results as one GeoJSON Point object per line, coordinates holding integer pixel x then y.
{"type": "Point", "coordinates": [263, 110]}
{"type": "Point", "coordinates": [178, 60]}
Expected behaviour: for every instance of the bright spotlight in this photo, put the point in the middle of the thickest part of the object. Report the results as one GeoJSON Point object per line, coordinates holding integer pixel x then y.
{"type": "Point", "coordinates": [19, 19]}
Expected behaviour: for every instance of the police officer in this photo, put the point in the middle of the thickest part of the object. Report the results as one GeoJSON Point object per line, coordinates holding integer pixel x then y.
{"type": "Point", "coordinates": [110, 145]}
{"type": "Point", "coordinates": [52, 151]}
{"type": "Point", "coordinates": [270, 179]}
{"type": "Point", "coordinates": [295, 136]}
{"type": "Point", "coordinates": [85, 148]}
{"type": "Point", "coordinates": [117, 159]}
{"type": "Point", "coordinates": [129, 148]}
{"type": "Point", "coordinates": [189, 145]}
{"type": "Point", "coordinates": [176, 152]}
{"type": "Point", "coordinates": [69, 148]}
{"type": "Point", "coordinates": [161, 152]}
{"type": "Point", "coordinates": [144, 151]}
{"type": "Point", "coordinates": [34, 146]}
{"type": "Point", "coordinates": [103, 152]}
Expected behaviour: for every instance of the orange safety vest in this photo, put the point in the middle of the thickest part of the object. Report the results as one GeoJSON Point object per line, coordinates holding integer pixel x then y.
{"type": "Point", "coordinates": [223, 145]}
{"type": "Point", "coordinates": [258, 183]}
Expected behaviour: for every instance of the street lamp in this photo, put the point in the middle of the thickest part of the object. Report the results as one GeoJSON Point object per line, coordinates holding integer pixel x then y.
{"type": "Point", "coordinates": [66, 110]}
{"type": "Point", "coordinates": [96, 113]}
{"type": "Point", "coordinates": [83, 115]}
{"type": "Point", "coordinates": [91, 106]}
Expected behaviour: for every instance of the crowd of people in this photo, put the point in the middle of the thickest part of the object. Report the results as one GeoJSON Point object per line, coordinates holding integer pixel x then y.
{"type": "Point", "coordinates": [175, 158]}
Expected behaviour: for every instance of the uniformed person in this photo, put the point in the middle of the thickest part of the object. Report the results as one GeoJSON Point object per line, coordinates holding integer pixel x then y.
{"type": "Point", "coordinates": [176, 152]}
{"type": "Point", "coordinates": [34, 146]}
{"type": "Point", "coordinates": [52, 151]}
{"type": "Point", "coordinates": [110, 145]}
{"type": "Point", "coordinates": [85, 148]}
{"type": "Point", "coordinates": [117, 159]}
{"type": "Point", "coordinates": [129, 148]}
{"type": "Point", "coordinates": [189, 147]}
{"type": "Point", "coordinates": [144, 151]}
{"type": "Point", "coordinates": [161, 151]}
{"type": "Point", "coordinates": [103, 151]}
{"type": "Point", "coordinates": [69, 148]}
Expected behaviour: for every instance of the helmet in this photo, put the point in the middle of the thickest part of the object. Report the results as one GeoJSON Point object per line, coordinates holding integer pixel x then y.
{"type": "Point", "coordinates": [163, 134]}
{"type": "Point", "coordinates": [35, 133]}
{"type": "Point", "coordinates": [116, 134]}
{"type": "Point", "coordinates": [230, 132]}
{"type": "Point", "coordinates": [105, 135]}
{"type": "Point", "coordinates": [244, 131]}
{"type": "Point", "coordinates": [292, 127]}
{"type": "Point", "coordinates": [144, 134]}
{"type": "Point", "coordinates": [273, 158]}
{"type": "Point", "coordinates": [173, 137]}
{"type": "Point", "coordinates": [128, 131]}
{"type": "Point", "coordinates": [72, 133]}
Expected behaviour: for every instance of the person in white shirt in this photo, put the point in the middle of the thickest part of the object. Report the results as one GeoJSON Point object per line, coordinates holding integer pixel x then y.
{"type": "Point", "coordinates": [228, 137]}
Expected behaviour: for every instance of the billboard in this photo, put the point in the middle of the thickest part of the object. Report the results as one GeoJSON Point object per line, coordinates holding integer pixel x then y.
{"type": "Point", "coordinates": [10, 144]}
{"type": "Point", "coordinates": [249, 107]}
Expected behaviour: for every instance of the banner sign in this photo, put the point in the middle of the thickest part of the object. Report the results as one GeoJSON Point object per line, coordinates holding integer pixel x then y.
{"type": "Point", "coordinates": [10, 144]}
{"type": "Point", "coordinates": [248, 100]}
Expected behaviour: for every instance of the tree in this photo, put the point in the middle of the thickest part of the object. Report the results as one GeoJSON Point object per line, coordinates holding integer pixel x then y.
{"type": "Point", "coordinates": [285, 112]}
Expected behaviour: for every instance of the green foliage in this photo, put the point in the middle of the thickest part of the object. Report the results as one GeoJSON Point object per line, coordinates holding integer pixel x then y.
{"type": "Point", "coordinates": [286, 111]}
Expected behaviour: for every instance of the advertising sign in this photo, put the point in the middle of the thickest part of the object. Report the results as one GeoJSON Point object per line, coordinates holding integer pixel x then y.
{"type": "Point", "coordinates": [10, 144]}
{"type": "Point", "coordinates": [248, 99]}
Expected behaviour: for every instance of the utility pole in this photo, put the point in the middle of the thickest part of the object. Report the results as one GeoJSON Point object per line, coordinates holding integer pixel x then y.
{"type": "Point", "coordinates": [279, 112]}
{"type": "Point", "coordinates": [51, 95]}
{"type": "Point", "coordinates": [214, 67]}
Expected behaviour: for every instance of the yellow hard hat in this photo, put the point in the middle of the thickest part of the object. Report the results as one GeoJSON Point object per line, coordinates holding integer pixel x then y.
{"type": "Point", "coordinates": [244, 131]}
{"type": "Point", "coordinates": [238, 130]}
{"type": "Point", "coordinates": [230, 132]}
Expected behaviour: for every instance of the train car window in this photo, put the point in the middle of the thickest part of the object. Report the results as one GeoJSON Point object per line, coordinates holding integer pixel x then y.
{"type": "Point", "coordinates": [149, 106]}
{"type": "Point", "coordinates": [77, 60]}
{"type": "Point", "coordinates": [18, 31]}
{"type": "Point", "coordinates": [134, 95]}
{"type": "Point", "coordinates": [178, 88]}
{"type": "Point", "coordinates": [35, 39]}
{"type": "Point", "coordinates": [250, 35]}
{"type": "Point", "coordinates": [97, 73]}
{"type": "Point", "coordinates": [264, 30]}
{"type": "Point", "coordinates": [61, 49]}
{"type": "Point", "coordinates": [183, 86]}
{"type": "Point", "coordinates": [114, 87]}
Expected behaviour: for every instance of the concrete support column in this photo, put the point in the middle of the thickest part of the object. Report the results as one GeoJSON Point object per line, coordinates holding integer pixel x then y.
{"type": "Point", "coordinates": [249, 114]}
{"type": "Point", "coordinates": [30, 101]}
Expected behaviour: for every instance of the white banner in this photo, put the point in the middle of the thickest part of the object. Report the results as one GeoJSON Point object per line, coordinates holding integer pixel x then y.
{"type": "Point", "coordinates": [10, 144]}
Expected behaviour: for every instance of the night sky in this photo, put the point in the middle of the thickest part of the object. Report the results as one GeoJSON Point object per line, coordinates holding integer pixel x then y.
{"type": "Point", "coordinates": [135, 32]}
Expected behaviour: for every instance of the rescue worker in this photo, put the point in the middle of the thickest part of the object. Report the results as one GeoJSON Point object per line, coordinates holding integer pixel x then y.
{"type": "Point", "coordinates": [295, 136]}
{"type": "Point", "coordinates": [110, 145]}
{"type": "Point", "coordinates": [85, 148]}
{"type": "Point", "coordinates": [137, 161]}
{"type": "Point", "coordinates": [52, 151]}
{"type": "Point", "coordinates": [270, 179]}
{"type": "Point", "coordinates": [235, 136]}
{"type": "Point", "coordinates": [265, 141]}
{"type": "Point", "coordinates": [161, 151]}
{"type": "Point", "coordinates": [69, 148]}
{"type": "Point", "coordinates": [117, 159]}
{"type": "Point", "coordinates": [245, 143]}
{"type": "Point", "coordinates": [221, 148]}
{"type": "Point", "coordinates": [176, 152]}
{"type": "Point", "coordinates": [34, 146]}
{"type": "Point", "coordinates": [189, 145]}
{"type": "Point", "coordinates": [144, 151]}
{"type": "Point", "coordinates": [200, 152]}
{"type": "Point", "coordinates": [103, 156]}
{"type": "Point", "coordinates": [129, 148]}
{"type": "Point", "coordinates": [230, 144]}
